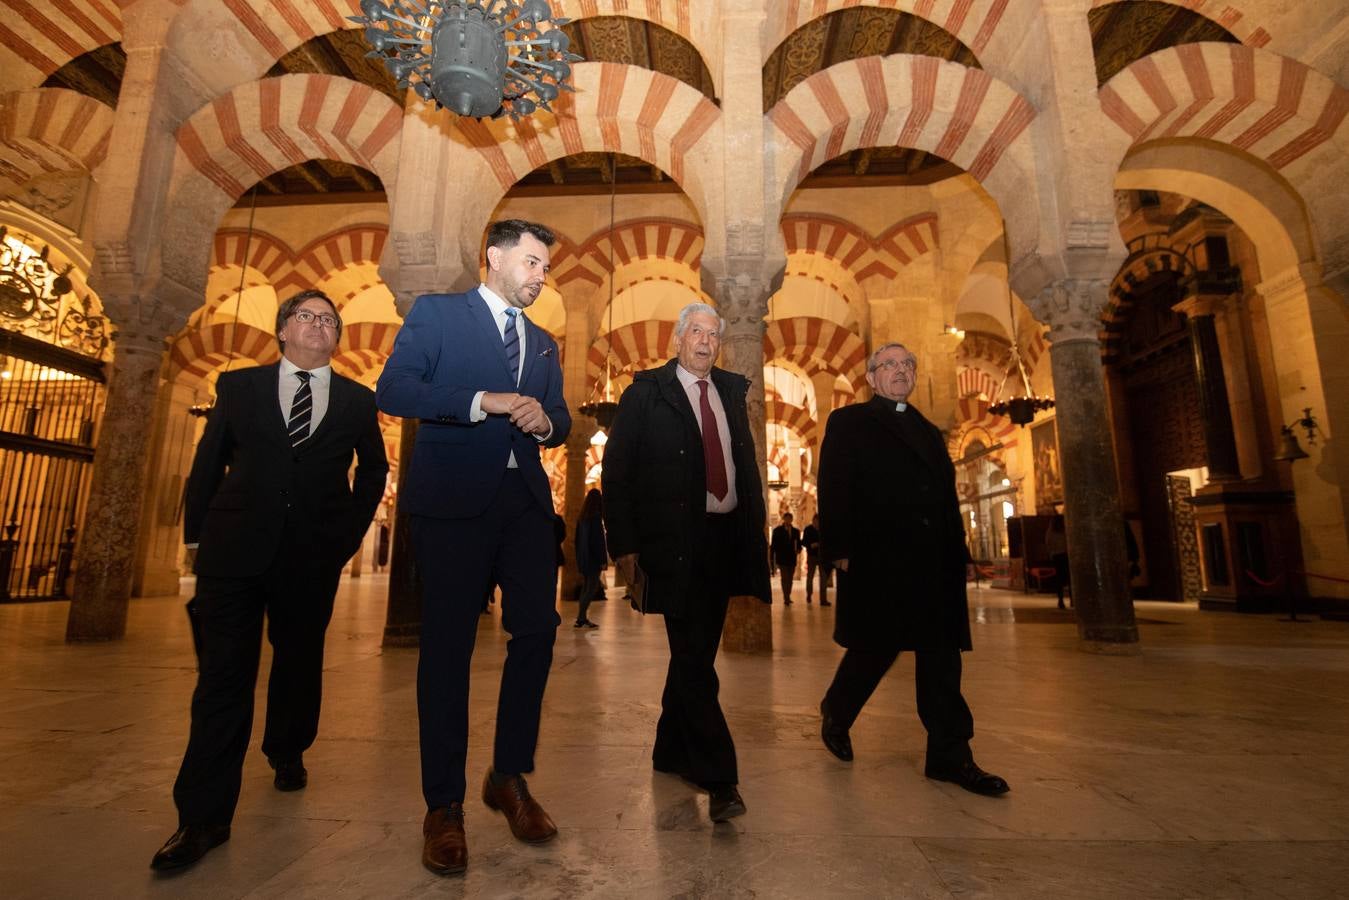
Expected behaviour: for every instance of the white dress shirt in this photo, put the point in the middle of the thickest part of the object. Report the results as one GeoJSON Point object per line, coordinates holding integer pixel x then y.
{"type": "Point", "coordinates": [320, 382]}
{"type": "Point", "coordinates": [695, 393]}
{"type": "Point", "coordinates": [498, 308]}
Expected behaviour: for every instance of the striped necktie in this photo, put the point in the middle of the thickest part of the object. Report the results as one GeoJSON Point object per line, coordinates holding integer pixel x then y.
{"type": "Point", "coordinates": [301, 409]}
{"type": "Point", "coordinates": [512, 341]}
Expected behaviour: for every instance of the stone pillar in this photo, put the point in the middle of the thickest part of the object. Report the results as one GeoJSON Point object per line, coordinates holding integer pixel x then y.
{"type": "Point", "coordinates": [1219, 439]}
{"type": "Point", "coordinates": [575, 390]}
{"type": "Point", "coordinates": [411, 267]}
{"type": "Point", "coordinates": [174, 439]}
{"type": "Point", "coordinates": [106, 560]}
{"type": "Point", "coordinates": [1095, 527]}
{"type": "Point", "coordinates": [742, 299]}
{"type": "Point", "coordinates": [403, 616]}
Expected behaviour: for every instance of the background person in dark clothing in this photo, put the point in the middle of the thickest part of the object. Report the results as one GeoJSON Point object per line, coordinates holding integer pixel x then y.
{"type": "Point", "coordinates": [785, 549]}
{"type": "Point", "coordinates": [810, 539]}
{"type": "Point", "coordinates": [592, 555]}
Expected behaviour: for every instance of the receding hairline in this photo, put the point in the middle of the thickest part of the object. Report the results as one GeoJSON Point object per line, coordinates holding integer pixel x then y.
{"type": "Point", "coordinates": [892, 345]}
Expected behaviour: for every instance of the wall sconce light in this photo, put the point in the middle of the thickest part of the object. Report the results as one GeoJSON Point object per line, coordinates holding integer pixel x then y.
{"type": "Point", "coordinates": [1289, 449]}
{"type": "Point", "coordinates": [958, 333]}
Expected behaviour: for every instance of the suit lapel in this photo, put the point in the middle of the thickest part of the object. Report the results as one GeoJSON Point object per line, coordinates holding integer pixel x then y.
{"type": "Point", "coordinates": [490, 328]}
{"type": "Point", "coordinates": [273, 416]}
{"type": "Point", "coordinates": [677, 397]}
{"type": "Point", "coordinates": [338, 398]}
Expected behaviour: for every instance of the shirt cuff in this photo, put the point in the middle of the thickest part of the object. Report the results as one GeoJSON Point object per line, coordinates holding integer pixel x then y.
{"type": "Point", "coordinates": [191, 546]}
{"type": "Point", "coordinates": [475, 413]}
{"type": "Point", "coordinates": [543, 437]}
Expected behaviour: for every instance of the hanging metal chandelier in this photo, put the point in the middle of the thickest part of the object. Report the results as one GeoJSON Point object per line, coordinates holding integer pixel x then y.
{"type": "Point", "coordinates": [1021, 410]}
{"type": "Point", "coordinates": [479, 58]}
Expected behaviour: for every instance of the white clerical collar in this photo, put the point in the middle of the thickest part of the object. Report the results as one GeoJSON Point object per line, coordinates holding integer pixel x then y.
{"type": "Point", "coordinates": [900, 406]}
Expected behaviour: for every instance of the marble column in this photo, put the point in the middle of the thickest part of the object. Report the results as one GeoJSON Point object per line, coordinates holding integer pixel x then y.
{"type": "Point", "coordinates": [575, 390]}
{"type": "Point", "coordinates": [106, 557]}
{"type": "Point", "coordinates": [742, 299]}
{"type": "Point", "coordinates": [403, 615]}
{"type": "Point", "coordinates": [1098, 564]}
{"type": "Point", "coordinates": [1219, 438]}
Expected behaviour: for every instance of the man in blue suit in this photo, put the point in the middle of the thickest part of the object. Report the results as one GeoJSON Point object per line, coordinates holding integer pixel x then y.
{"type": "Point", "coordinates": [486, 385]}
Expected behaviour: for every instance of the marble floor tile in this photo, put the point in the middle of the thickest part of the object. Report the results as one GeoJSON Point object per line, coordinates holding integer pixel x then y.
{"type": "Point", "coordinates": [1208, 766]}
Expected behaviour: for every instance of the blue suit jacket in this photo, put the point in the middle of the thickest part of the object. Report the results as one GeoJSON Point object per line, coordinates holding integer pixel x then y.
{"type": "Point", "coordinates": [447, 350]}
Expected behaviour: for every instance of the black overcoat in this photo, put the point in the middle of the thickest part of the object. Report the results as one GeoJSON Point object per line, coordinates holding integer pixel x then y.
{"type": "Point", "coordinates": [655, 488]}
{"type": "Point", "coordinates": [888, 505]}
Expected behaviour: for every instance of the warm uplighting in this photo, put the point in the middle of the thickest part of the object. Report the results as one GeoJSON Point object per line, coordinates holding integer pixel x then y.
{"type": "Point", "coordinates": [599, 438]}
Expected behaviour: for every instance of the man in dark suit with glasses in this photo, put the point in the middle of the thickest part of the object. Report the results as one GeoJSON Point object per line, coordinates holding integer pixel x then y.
{"type": "Point", "coordinates": [273, 517]}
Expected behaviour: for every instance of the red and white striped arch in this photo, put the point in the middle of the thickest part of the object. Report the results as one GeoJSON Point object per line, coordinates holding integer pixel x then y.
{"type": "Point", "coordinates": [972, 381]}
{"type": "Point", "coordinates": [1272, 107]}
{"type": "Point", "coordinates": [263, 31]}
{"type": "Point", "coordinates": [374, 339]}
{"type": "Point", "coordinates": [1234, 15]}
{"type": "Point", "coordinates": [265, 253]}
{"type": "Point", "coordinates": [655, 238]}
{"type": "Point", "coordinates": [38, 38]}
{"type": "Point", "coordinates": [268, 125]}
{"type": "Point", "coordinates": [817, 345]}
{"type": "Point", "coordinates": [834, 239]}
{"type": "Point", "coordinates": [638, 345]}
{"type": "Point", "coordinates": [974, 22]}
{"type": "Point", "coordinates": [615, 109]}
{"type": "Point", "coordinates": [961, 114]}
{"type": "Point", "coordinates": [796, 418]}
{"type": "Point", "coordinates": [974, 420]}
{"type": "Point", "coordinates": [200, 350]}
{"type": "Point", "coordinates": [51, 130]}
{"type": "Point", "coordinates": [909, 240]}
{"type": "Point", "coordinates": [357, 245]}
{"type": "Point", "coordinates": [258, 129]}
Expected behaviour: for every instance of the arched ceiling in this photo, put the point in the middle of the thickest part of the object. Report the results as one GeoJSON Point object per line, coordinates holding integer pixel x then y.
{"type": "Point", "coordinates": [342, 53]}
{"type": "Point", "coordinates": [1125, 32]}
{"type": "Point", "coordinates": [851, 34]}
{"type": "Point", "coordinates": [97, 74]}
{"type": "Point", "coordinates": [635, 42]}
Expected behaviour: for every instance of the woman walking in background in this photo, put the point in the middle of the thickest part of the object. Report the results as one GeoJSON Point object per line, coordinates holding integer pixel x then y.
{"type": "Point", "coordinates": [592, 554]}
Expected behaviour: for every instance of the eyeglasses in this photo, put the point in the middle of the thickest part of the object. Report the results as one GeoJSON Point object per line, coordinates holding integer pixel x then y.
{"type": "Point", "coordinates": [889, 365]}
{"type": "Point", "coordinates": [327, 320]}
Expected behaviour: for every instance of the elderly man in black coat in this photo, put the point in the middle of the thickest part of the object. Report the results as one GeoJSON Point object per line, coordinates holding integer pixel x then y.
{"type": "Point", "coordinates": [890, 520]}
{"type": "Point", "coordinates": [684, 507]}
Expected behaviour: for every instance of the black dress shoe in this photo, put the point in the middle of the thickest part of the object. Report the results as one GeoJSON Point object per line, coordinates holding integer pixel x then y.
{"type": "Point", "coordinates": [724, 803]}
{"type": "Point", "coordinates": [825, 603]}
{"type": "Point", "coordinates": [836, 739]}
{"type": "Point", "coordinates": [189, 844]}
{"type": "Point", "coordinates": [971, 778]}
{"type": "Point", "coordinates": [290, 774]}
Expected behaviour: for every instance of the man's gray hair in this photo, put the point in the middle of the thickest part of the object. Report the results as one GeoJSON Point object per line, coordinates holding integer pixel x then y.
{"type": "Point", "coordinates": [693, 309]}
{"type": "Point", "coordinates": [872, 360]}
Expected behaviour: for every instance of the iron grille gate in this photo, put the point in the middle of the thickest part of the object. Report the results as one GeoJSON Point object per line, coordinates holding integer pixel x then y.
{"type": "Point", "coordinates": [50, 401]}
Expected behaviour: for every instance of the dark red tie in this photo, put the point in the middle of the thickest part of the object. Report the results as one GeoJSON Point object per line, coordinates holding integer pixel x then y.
{"type": "Point", "coordinates": [713, 459]}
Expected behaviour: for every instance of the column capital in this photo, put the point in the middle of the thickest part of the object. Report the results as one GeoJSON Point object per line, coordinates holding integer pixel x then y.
{"type": "Point", "coordinates": [1290, 282]}
{"type": "Point", "coordinates": [1198, 305]}
{"type": "Point", "coordinates": [413, 265]}
{"type": "Point", "coordinates": [1071, 308]}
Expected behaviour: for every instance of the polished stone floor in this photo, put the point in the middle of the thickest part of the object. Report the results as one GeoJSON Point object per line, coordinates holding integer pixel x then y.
{"type": "Point", "coordinates": [1210, 766]}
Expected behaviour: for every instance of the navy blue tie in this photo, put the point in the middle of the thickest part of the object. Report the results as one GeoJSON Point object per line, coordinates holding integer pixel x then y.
{"type": "Point", "coordinates": [512, 341]}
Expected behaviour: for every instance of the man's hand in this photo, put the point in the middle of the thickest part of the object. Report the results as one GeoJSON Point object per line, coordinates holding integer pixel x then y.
{"type": "Point", "coordinates": [627, 564]}
{"type": "Point", "coordinates": [527, 414]}
{"type": "Point", "coordinates": [841, 565]}
{"type": "Point", "coordinates": [498, 403]}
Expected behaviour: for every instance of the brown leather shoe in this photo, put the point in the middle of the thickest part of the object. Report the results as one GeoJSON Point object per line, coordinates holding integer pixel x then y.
{"type": "Point", "coordinates": [445, 851]}
{"type": "Point", "coordinates": [528, 821]}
